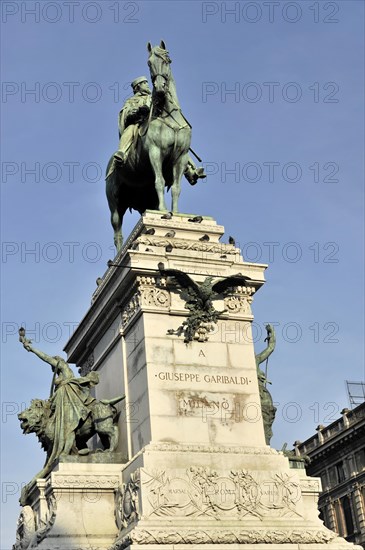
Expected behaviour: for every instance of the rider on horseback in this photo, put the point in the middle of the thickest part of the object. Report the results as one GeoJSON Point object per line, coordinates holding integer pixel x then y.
{"type": "Point", "coordinates": [134, 112]}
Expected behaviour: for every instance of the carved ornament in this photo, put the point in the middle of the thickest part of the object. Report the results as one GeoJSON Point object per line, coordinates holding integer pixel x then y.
{"type": "Point", "coordinates": [202, 492]}
{"type": "Point", "coordinates": [127, 502]}
{"type": "Point", "coordinates": [240, 301]}
{"type": "Point", "coordinates": [225, 536]}
{"type": "Point", "coordinates": [184, 244]}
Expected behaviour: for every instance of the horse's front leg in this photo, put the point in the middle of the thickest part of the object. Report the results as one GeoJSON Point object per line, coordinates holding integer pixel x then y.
{"type": "Point", "coordinates": [156, 163]}
{"type": "Point", "coordinates": [116, 218]}
{"type": "Point", "coordinates": [177, 173]}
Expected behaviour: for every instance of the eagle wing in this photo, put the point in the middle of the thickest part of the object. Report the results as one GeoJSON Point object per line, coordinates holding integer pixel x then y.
{"type": "Point", "coordinates": [182, 278]}
{"type": "Point", "coordinates": [221, 286]}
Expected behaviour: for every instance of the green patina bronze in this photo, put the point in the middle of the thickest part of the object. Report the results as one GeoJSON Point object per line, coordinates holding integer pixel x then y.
{"type": "Point", "coordinates": [70, 417]}
{"type": "Point", "coordinates": [199, 298]}
{"type": "Point", "coordinates": [267, 405]}
{"type": "Point", "coordinates": [154, 146]}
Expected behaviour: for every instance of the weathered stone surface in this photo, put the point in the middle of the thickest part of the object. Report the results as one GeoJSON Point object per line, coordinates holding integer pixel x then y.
{"type": "Point", "coordinates": [199, 471]}
{"type": "Point", "coordinates": [218, 496]}
{"type": "Point", "coordinates": [72, 509]}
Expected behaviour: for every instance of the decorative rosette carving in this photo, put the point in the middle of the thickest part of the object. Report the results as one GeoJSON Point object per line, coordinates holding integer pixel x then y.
{"type": "Point", "coordinates": [240, 302]}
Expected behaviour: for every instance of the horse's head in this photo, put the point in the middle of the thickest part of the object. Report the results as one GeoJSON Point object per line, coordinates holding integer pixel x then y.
{"type": "Point", "coordinates": [159, 64]}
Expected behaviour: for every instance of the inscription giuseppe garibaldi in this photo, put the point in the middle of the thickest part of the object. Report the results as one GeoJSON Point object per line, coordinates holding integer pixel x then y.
{"type": "Point", "coordinates": [209, 378]}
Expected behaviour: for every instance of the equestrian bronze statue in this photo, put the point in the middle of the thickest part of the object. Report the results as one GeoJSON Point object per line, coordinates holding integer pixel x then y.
{"type": "Point", "coordinates": [154, 146]}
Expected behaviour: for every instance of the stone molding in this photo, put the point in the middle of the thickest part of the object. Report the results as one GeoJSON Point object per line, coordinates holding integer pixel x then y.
{"type": "Point", "coordinates": [196, 448]}
{"type": "Point", "coordinates": [310, 485]}
{"type": "Point", "coordinates": [152, 218]}
{"type": "Point", "coordinates": [83, 482]}
{"type": "Point", "coordinates": [225, 536]}
{"type": "Point", "coordinates": [185, 244]}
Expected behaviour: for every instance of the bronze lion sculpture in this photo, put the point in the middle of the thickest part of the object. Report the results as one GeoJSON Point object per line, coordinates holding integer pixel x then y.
{"type": "Point", "coordinates": [39, 418]}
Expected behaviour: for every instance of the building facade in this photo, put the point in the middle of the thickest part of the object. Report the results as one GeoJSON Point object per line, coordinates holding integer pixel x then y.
{"type": "Point", "coordinates": [337, 456]}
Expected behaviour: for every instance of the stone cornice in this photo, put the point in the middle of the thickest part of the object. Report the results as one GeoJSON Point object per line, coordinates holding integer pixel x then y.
{"type": "Point", "coordinates": [335, 444]}
{"type": "Point", "coordinates": [120, 283]}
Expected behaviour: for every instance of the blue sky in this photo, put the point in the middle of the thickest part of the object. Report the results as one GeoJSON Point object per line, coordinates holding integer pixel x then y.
{"type": "Point", "coordinates": [293, 131]}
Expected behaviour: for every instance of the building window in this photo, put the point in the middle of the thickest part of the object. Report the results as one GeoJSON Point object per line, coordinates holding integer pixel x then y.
{"type": "Point", "coordinates": [347, 514]}
{"type": "Point", "coordinates": [338, 515]}
{"type": "Point", "coordinates": [344, 519]}
{"type": "Point", "coordinates": [332, 474]}
{"type": "Point", "coordinates": [360, 460]}
{"type": "Point", "coordinates": [340, 470]}
{"type": "Point", "coordinates": [324, 481]}
{"type": "Point", "coordinates": [337, 474]}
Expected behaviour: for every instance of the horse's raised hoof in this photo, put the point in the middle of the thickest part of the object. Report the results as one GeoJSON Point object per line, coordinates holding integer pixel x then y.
{"type": "Point", "coordinates": [200, 172]}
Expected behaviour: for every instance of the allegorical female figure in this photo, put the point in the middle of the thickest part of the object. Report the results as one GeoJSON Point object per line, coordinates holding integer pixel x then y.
{"type": "Point", "coordinates": [267, 406]}
{"type": "Point", "coordinates": [70, 417]}
{"type": "Point", "coordinates": [70, 401]}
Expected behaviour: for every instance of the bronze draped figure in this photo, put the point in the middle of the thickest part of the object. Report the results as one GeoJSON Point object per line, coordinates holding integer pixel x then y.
{"type": "Point", "coordinates": [267, 406]}
{"type": "Point", "coordinates": [70, 417]}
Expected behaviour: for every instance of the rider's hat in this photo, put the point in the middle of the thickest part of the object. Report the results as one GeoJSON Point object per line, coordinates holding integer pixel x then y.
{"type": "Point", "coordinates": [138, 81]}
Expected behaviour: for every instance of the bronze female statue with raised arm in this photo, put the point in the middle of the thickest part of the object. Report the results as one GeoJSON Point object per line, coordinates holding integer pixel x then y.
{"type": "Point", "coordinates": [70, 417]}
{"type": "Point", "coordinates": [267, 406]}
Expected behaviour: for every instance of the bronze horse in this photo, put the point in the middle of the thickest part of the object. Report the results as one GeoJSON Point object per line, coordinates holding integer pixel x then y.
{"type": "Point", "coordinates": [161, 153]}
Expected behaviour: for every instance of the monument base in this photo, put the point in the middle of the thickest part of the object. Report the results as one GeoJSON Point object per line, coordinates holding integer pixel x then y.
{"type": "Point", "coordinates": [218, 497]}
{"type": "Point", "coordinates": [193, 469]}
{"type": "Point", "coordinates": [178, 496]}
{"type": "Point", "coordinates": [72, 509]}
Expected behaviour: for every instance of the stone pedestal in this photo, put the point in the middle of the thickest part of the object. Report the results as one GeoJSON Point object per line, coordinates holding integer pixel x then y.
{"type": "Point", "coordinates": [197, 494]}
{"type": "Point", "coordinates": [201, 392]}
{"type": "Point", "coordinates": [197, 470]}
{"type": "Point", "coordinates": [73, 509]}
